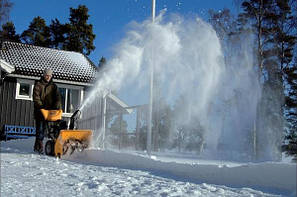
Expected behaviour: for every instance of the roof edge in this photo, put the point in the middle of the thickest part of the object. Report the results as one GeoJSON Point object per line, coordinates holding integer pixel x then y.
{"type": "Point", "coordinates": [6, 66]}
{"type": "Point", "coordinates": [120, 102]}
{"type": "Point", "coordinates": [55, 80]}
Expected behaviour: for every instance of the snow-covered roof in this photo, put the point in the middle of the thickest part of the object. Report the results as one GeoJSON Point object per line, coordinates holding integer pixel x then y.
{"type": "Point", "coordinates": [6, 67]}
{"type": "Point", "coordinates": [32, 60]}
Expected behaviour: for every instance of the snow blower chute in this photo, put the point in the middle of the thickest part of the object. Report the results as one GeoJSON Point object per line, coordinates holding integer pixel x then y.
{"type": "Point", "coordinates": [64, 141]}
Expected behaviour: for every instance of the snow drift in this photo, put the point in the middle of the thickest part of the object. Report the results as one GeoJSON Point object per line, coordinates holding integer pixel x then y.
{"type": "Point", "coordinates": [265, 175]}
{"type": "Point", "coordinates": [17, 160]}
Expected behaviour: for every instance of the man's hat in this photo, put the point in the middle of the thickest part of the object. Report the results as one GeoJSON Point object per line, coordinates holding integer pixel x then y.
{"type": "Point", "coordinates": [47, 71]}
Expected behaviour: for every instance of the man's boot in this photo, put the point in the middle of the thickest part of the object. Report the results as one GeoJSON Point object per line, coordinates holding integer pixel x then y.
{"type": "Point", "coordinates": [38, 146]}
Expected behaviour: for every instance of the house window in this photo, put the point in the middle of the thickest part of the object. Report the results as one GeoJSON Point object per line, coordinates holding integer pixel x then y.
{"type": "Point", "coordinates": [71, 98]}
{"type": "Point", "coordinates": [24, 89]}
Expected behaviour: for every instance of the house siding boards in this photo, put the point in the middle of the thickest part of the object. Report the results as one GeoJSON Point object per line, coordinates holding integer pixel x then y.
{"type": "Point", "coordinates": [20, 112]}
{"type": "Point", "coordinates": [14, 111]}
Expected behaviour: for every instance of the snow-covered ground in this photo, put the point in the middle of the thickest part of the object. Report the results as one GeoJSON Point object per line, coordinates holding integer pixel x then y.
{"type": "Point", "coordinates": [110, 173]}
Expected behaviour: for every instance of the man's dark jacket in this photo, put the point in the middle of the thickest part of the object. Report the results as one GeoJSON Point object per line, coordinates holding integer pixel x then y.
{"type": "Point", "coordinates": [45, 96]}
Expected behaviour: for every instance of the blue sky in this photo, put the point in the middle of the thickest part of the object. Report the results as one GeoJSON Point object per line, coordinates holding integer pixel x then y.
{"type": "Point", "coordinates": [108, 17]}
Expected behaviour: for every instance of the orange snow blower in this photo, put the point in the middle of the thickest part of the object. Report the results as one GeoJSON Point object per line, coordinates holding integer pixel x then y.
{"type": "Point", "coordinates": [62, 140]}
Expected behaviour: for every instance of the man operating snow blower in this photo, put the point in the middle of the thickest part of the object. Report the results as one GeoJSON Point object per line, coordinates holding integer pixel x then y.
{"type": "Point", "coordinates": [45, 96]}
{"type": "Point", "coordinates": [62, 141]}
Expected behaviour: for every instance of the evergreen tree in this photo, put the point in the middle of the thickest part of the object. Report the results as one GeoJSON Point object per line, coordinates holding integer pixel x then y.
{"type": "Point", "coordinates": [291, 86]}
{"type": "Point", "coordinates": [230, 31]}
{"type": "Point", "coordinates": [58, 33]}
{"type": "Point", "coordinates": [101, 68]}
{"type": "Point", "coordinates": [291, 106]}
{"type": "Point", "coordinates": [37, 34]}
{"type": "Point", "coordinates": [253, 17]}
{"type": "Point", "coordinates": [269, 20]}
{"type": "Point", "coordinates": [102, 61]}
{"type": "Point", "coordinates": [8, 33]}
{"type": "Point", "coordinates": [282, 40]}
{"type": "Point", "coordinates": [77, 35]}
{"type": "Point", "coordinates": [80, 35]}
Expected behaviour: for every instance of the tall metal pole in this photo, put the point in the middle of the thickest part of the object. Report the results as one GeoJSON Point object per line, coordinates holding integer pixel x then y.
{"type": "Point", "coordinates": [153, 10]}
{"type": "Point", "coordinates": [149, 131]}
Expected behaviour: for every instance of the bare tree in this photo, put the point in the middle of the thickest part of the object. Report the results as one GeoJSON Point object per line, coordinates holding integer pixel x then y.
{"type": "Point", "coordinates": [237, 4]}
{"type": "Point", "coordinates": [5, 6]}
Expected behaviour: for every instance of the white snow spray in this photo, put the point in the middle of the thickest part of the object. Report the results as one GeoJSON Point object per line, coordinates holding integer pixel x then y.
{"type": "Point", "coordinates": [189, 62]}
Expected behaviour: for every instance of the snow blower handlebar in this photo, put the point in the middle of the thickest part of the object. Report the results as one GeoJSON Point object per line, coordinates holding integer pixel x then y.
{"type": "Point", "coordinates": [73, 119]}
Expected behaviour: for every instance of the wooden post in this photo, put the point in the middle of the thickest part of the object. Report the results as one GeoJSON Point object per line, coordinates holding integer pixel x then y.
{"type": "Point", "coordinates": [104, 121]}
{"type": "Point", "coordinates": [137, 128]}
{"type": "Point", "coordinates": [120, 133]}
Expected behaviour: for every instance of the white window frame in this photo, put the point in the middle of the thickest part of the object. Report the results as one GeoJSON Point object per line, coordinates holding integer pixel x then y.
{"type": "Point", "coordinates": [22, 97]}
{"type": "Point", "coordinates": [81, 95]}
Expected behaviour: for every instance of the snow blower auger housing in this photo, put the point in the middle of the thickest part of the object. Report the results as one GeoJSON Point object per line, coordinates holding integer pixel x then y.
{"type": "Point", "coordinates": [62, 140]}
{"type": "Point", "coordinates": [71, 140]}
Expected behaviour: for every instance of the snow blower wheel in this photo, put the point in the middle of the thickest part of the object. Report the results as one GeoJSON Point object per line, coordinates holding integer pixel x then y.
{"type": "Point", "coordinates": [49, 148]}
